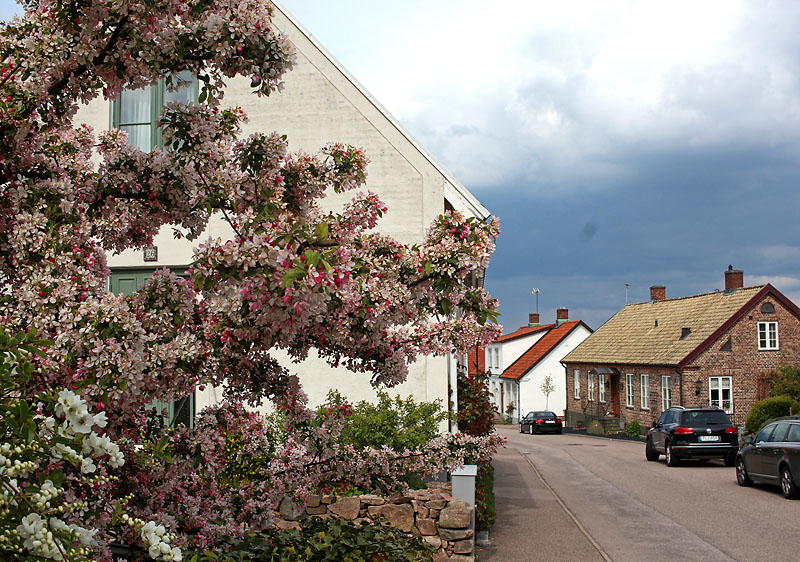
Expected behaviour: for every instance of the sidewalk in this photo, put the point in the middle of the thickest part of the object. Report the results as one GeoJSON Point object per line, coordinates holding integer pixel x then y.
{"type": "Point", "coordinates": [531, 522]}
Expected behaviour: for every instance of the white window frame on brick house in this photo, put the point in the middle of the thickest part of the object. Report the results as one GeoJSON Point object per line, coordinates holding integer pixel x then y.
{"type": "Point", "coordinates": [666, 392]}
{"type": "Point", "coordinates": [601, 384]}
{"type": "Point", "coordinates": [767, 336]}
{"type": "Point", "coordinates": [590, 386]}
{"type": "Point", "coordinates": [629, 390]}
{"type": "Point", "coordinates": [576, 378]}
{"type": "Point", "coordinates": [718, 387]}
{"type": "Point", "coordinates": [644, 402]}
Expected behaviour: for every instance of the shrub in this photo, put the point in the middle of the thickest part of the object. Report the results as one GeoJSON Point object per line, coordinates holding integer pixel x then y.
{"type": "Point", "coordinates": [394, 422]}
{"type": "Point", "coordinates": [476, 417]}
{"type": "Point", "coordinates": [319, 540]}
{"type": "Point", "coordinates": [769, 408]}
{"type": "Point", "coordinates": [633, 429]}
{"type": "Point", "coordinates": [786, 382]}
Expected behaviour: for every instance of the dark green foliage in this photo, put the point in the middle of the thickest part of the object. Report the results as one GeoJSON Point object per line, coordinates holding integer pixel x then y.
{"type": "Point", "coordinates": [475, 412]}
{"type": "Point", "coordinates": [769, 408]}
{"type": "Point", "coordinates": [633, 429]}
{"type": "Point", "coordinates": [786, 382]}
{"type": "Point", "coordinates": [333, 540]}
{"type": "Point", "coordinates": [485, 513]}
{"type": "Point", "coordinates": [394, 422]}
{"type": "Point", "coordinates": [476, 417]}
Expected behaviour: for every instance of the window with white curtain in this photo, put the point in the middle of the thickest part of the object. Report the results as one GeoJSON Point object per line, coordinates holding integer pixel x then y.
{"type": "Point", "coordinates": [137, 111]}
{"type": "Point", "coordinates": [645, 398]}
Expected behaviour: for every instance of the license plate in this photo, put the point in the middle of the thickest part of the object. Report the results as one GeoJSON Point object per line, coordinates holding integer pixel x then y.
{"type": "Point", "coordinates": [709, 438]}
{"type": "Point", "coordinates": [549, 421]}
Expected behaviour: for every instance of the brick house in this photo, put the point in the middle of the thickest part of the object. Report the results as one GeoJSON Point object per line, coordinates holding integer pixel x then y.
{"type": "Point", "coordinates": [711, 349]}
{"type": "Point", "coordinates": [519, 362]}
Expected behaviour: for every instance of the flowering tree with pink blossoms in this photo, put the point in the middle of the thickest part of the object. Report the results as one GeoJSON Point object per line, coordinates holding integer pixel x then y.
{"type": "Point", "coordinates": [293, 277]}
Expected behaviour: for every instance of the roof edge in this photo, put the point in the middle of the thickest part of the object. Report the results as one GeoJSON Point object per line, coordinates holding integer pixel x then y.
{"type": "Point", "coordinates": [765, 290]}
{"type": "Point", "coordinates": [458, 188]}
{"type": "Point", "coordinates": [575, 327]}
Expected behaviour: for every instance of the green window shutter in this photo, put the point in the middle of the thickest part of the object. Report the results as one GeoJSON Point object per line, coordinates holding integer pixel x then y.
{"type": "Point", "coordinates": [177, 412]}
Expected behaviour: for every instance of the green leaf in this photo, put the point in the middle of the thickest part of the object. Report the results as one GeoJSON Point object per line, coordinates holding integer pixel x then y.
{"type": "Point", "coordinates": [428, 267]}
{"type": "Point", "coordinates": [321, 232]}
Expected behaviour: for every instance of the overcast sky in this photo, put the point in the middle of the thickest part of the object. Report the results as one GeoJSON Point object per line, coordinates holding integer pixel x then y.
{"type": "Point", "coordinates": [648, 143]}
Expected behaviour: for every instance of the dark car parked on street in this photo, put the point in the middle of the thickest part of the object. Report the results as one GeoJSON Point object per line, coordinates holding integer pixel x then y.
{"type": "Point", "coordinates": [540, 422]}
{"type": "Point", "coordinates": [773, 457]}
{"type": "Point", "coordinates": [693, 433]}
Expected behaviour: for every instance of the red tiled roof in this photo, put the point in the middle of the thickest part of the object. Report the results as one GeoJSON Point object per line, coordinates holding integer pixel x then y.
{"type": "Point", "coordinates": [540, 349]}
{"type": "Point", "coordinates": [524, 331]}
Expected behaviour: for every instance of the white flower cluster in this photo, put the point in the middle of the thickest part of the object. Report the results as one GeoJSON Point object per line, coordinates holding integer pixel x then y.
{"type": "Point", "coordinates": [80, 422]}
{"type": "Point", "coordinates": [39, 539]}
{"type": "Point", "coordinates": [156, 539]}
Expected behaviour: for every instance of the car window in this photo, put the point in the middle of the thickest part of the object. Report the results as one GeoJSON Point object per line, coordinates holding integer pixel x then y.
{"type": "Point", "coordinates": [703, 417]}
{"type": "Point", "coordinates": [794, 432]}
{"type": "Point", "coordinates": [764, 434]}
{"type": "Point", "coordinates": [779, 433]}
{"type": "Point", "coordinates": [664, 417]}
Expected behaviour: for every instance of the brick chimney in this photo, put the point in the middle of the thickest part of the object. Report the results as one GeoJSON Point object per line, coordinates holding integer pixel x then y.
{"type": "Point", "coordinates": [533, 319]}
{"type": "Point", "coordinates": [658, 293]}
{"type": "Point", "coordinates": [562, 315]}
{"type": "Point", "coordinates": [734, 279]}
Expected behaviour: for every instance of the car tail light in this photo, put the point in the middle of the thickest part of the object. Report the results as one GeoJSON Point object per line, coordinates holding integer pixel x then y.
{"type": "Point", "coordinates": [732, 430]}
{"type": "Point", "coordinates": [558, 420]}
{"type": "Point", "coordinates": [683, 431]}
{"type": "Point", "coordinates": [539, 421]}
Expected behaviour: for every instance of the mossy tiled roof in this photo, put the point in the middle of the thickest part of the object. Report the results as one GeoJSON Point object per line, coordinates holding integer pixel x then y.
{"type": "Point", "coordinates": [652, 333]}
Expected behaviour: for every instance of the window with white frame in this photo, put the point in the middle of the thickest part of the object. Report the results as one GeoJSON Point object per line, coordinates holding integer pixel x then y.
{"type": "Point", "coordinates": [590, 386]}
{"type": "Point", "coordinates": [720, 393]}
{"type": "Point", "coordinates": [629, 382]}
{"type": "Point", "coordinates": [496, 357]}
{"type": "Point", "coordinates": [644, 403]}
{"type": "Point", "coordinates": [767, 335]}
{"type": "Point", "coordinates": [666, 393]}
{"type": "Point", "coordinates": [601, 379]}
{"type": "Point", "coordinates": [576, 377]}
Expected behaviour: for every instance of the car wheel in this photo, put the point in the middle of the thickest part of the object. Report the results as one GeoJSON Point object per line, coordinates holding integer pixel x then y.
{"type": "Point", "coordinates": [787, 484]}
{"type": "Point", "coordinates": [730, 460]}
{"type": "Point", "coordinates": [741, 473]}
{"type": "Point", "coordinates": [520, 428]}
{"type": "Point", "coordinates": [672, 458]}
{"type": "Point", "coordinates": [559, 431]}
{"type": "Point", "coordinates": [650, 452]}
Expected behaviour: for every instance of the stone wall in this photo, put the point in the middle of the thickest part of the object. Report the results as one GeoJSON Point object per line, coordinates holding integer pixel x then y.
{"type": "Point", "coordinates": [443, 521]}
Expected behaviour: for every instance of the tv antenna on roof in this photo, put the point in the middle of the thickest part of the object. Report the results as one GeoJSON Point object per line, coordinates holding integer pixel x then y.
{"type": "Point", "coordinates": [626, 292]}
{"type": "Point", "coordinates": [536, 292]}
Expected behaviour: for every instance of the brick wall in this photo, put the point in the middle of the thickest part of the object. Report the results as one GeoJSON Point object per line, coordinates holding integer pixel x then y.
{"type": "Point", "coordinates": [748, 367]}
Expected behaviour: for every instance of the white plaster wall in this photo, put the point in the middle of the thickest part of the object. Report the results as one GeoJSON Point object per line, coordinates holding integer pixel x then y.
{"type": "Point", "coordinates": [531, 396]}
{"type": "Point", "coordinates": [319, 105]}
{"type": "Point", "coordinates": [513, 350]}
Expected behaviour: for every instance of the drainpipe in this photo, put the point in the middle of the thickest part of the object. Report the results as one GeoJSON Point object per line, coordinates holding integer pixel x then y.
{"type": "Point", "coordinates": [680, 382]}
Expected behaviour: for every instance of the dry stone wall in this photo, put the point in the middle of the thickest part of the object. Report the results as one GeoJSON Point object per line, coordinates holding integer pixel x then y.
{"type": "Point", "coordinates": [443, 521]}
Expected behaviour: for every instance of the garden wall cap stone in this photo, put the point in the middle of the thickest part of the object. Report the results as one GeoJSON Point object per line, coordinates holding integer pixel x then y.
{"type": "Point", "coordinates": [372, 499]}
{"type": "Point", "coordinates": [457, 515]}
{"type": "Point", "coordinates": [399, 516]}
{"type": "Point", "coordinates": [455, 534]}
{"type": "Point", "coordinates": [347, 508]}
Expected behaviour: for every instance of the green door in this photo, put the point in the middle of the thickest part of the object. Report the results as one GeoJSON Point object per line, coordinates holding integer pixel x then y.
{"type": "Point", "coordinates": [127, 281]}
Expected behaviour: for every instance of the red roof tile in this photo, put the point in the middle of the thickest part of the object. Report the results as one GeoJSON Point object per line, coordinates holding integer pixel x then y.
{"type": "Point", "coordinates": [540, 349]}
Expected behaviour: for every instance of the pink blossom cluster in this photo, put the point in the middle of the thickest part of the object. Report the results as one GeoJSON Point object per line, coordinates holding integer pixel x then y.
{"type": "Point", "coordinates": [294, 277]}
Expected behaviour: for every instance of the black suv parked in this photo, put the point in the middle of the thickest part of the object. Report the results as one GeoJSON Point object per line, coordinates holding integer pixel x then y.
{"type": "Point", "coordinates": [696, 433]}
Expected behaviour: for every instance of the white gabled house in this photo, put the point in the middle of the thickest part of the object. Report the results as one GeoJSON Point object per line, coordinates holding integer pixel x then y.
{"type": "Point", "coordinates": [321, 103]}
{"type": "Point", "coordinates": [519, 362]}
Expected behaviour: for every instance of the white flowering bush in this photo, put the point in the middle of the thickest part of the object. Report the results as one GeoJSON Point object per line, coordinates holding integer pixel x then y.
{"type": "Point", "coordinates": [51, 453]}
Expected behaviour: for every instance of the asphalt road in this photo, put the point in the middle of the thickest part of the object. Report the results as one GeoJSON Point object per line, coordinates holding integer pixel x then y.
{"type": "Point", "coordinates": [604, 501]}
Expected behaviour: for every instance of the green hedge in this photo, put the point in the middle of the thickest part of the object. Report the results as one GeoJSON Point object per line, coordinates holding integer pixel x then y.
{"type": "Point", "coordinates": [769, 408]}
{"type": "Point", "coordinates": [323, 540]}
